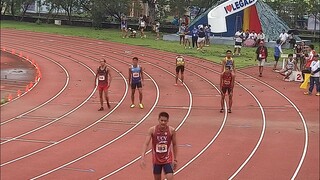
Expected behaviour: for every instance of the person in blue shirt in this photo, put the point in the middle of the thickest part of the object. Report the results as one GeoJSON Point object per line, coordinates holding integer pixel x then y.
{"type": "Point", "coordinates": [136, 81]}
{"type": "Point", "coordinates": [194, 34]}
{"type": "Point", "coordinates": [277, 53]}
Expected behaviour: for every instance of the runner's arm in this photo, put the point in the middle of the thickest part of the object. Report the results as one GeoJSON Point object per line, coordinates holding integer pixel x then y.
{"type": "Point", "coordinates": [146, 143]}
{"type": "Point", "coordinates": [232, 82]}
{"type": "Point", "coordinates": [174, 147]}
{"type": "Point", "coordinates": [95, 79]}
{"type": "Point", "coordinates": [141, 74]}
{"type": "Point", "coordinates": [129, 77]}
{"type": "Point", "coordinates": [221, 81]}
{"type": "Point", "coordinates": [110, 77]}
{"type": "Point", "coordinates": [223, 65]}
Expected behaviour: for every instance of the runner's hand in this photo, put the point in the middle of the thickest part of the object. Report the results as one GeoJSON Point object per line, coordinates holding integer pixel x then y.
{"type": "Point", "coordinates": [175, 165]}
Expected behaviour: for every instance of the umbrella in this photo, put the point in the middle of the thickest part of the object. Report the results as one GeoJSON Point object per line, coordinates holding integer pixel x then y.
{"type": "Point", "coordinates": [293, 31]}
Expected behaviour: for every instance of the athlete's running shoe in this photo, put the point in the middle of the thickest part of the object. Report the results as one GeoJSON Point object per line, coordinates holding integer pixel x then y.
{"type": "Point", "coordinates": [221, 110]}
{"type": "Point", "coordinates": [306, 93]}
{"type": "Point", "coordinates": [318, 94]}
{"type": "Point", "coordinates": [229, 110]}
{"type": "Point", "coordinates": [108, 105]}
{"type": "Point", "coordinates": [101, 109]}
{"type": "Point", "coordinates": [141, 106]}
{"type": "Point", "coordinates": [132, 106]}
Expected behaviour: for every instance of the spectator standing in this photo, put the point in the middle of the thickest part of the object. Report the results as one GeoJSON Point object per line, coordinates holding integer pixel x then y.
{"type": "Point", "coordinates": [314, 78]}
{"type": "Point", "coordinates": [262, 54]}
{"type": "Point", "coordinates": [201, 39]}
{"type": "Point", "coordinates": [124, 26]}
{"type": "Point", "coordinates": [182, 33]}
{"type": "Point", "coordinates": [194, 34]}
{"type": "Point", "coordinates": [239, 36]}
{"type": "Point", "coordinates": [208, 34]}
{"type": "Point", "coordinates": [283, 37]}
{"type": "Point", "coordinates": [277, 53]}
{"type": "Point", "coordinates": [308, 60]}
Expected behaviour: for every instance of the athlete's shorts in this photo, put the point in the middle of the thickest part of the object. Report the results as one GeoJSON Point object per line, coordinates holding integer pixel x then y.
{"type": "Point", "coordinates": [287, 71]}
{"type": "Point", "coordinates": [200, 39]}
{"type": "Point", "coordinates": [136, 85]}
{"type": "Point", "coordinates": [124, 27]}
{"type": "Point", "coordinates": [103, 87]}
{"type": "Point", "coordinates": [276, 58]}
{"type": "Point", "coordinates": [261, 62]}
{"type": "Point", "coordinates": [225, 89]}
{"type": "Point", "coordinates": [167, 168]}
{"type": "Point", "coordinates": [179, 68]}
{"type": "Point", "coordinates": [237, 44]}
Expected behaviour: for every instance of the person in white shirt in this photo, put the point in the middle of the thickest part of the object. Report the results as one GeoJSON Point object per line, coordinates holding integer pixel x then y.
{"type": "Point", "coordinates": [239, 36]}
{"type": "Point", "coordinates": [283, 37]}
{"type": "Point", "coordinates": [260, 37]}
{"type": "Point", "coordinates": [314, 78]}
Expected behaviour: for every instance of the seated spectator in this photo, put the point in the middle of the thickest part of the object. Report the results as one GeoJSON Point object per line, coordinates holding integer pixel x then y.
{"type": "Point", "coordinates": [133, 33]}
{"type": "Point", "coordinates": [289, 67]}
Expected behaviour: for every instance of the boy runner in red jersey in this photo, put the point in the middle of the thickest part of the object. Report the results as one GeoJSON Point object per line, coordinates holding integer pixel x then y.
{"type": "Point", "coordinates": [104, 80]}
{"type": "Point", "coordinates": [164, 148]}
{"type": "Point", "coordinates": [226, 84]}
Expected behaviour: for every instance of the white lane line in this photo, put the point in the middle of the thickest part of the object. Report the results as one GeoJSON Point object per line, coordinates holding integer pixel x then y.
{"type": "Point", "coordinates": [112, 141]}
{"type": "Point", "coordinates": [59, 118]}
{"type": "Point", "coordinates": [261, 135]}
{"type": "Point", "coordinates": [51, 99]}
{"type": "Point", "coordinates": [305, 148]}
{"type": "Point", "coordinates": [71, 136]}
{"type": "Point", "coordinates": [177, 128]}
{"type": "Point", "coordinates": [35, 84]}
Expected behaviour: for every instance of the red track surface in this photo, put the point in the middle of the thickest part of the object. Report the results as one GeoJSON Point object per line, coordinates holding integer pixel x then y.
{"type": "Point", "coordinates": [56, 132]}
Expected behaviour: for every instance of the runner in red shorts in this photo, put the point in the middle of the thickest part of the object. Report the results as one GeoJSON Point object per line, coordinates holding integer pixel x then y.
{"type": "Point", "coordinates": [104, 78]}
{"type": "Point", "coordinates": [164, 148]}
{"type": "Point", "coordinates": [226, 84]}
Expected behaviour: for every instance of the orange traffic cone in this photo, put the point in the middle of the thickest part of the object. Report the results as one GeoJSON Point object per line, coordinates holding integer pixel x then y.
{"type": "Point", "coordinates": [27, 88]}
{"type": "Point", "coordinates": [30, 84]}
{"type": "Point", "coordinates": [9, 97]}
{"type": "Point", "coordinates": [19, 93]}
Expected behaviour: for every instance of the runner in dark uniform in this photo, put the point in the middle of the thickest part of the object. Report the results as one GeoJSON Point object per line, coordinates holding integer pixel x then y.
{"type": "Point", "coordinates": [226, 84]}
{"type": "Point", "coordinates": [104, 80]}
{"type": "Point", "coordinates": [164, 148]}
{"type": "Point", "coordinates": [135, 80]}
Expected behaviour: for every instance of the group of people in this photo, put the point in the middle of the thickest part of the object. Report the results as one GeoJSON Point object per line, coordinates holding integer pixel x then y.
{"type": "Point", "coordinates": [163, 136]}
{"type": "Point", "coordinates": [199, 36]}
{"type": "Point", "coordinates": [305, 56]}
{"type": "Point", "coordinates": [248, 38]}
{"type": "Point", "coordinates": [143, 23]}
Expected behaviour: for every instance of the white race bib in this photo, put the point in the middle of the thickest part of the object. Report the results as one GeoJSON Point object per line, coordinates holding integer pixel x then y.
{"type": "Point", "coordinates": [101, 78]}
{"type": "Point", "coordinates": [161, 148]}
{"type": "Point", "coordinates": [135, 75]}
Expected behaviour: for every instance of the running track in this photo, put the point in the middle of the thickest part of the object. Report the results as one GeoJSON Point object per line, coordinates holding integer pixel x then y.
{"type": "Point", "coordinates": [55, 131]}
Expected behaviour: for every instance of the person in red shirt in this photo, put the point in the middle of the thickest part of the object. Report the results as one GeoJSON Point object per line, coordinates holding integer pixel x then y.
{"type": "Point", "coordinates": [104, 78]}
{"type": "Point", "coordinates": [308, 60]}
{"type": "Point", "coordinates": [164, 148]}
{"type": "Point", "coordinates": [226, 84]}
{"type": "Point", "coordinates": [262, 54]}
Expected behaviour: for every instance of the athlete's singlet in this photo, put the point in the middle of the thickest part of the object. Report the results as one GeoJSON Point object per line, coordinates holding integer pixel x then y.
{"type": "Point", "coordinates": [229, 62]}
{"type": "Point", "coordinates": [136, 78]}
{"type": "Point", "coordinates": [226, 79]}
{"type": "Point", "coordinates": [102, 76]}
{"type": "Point", "coordinates": [161, 146]}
